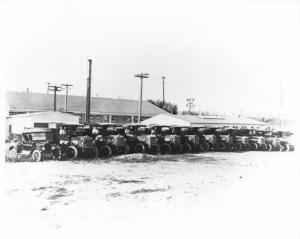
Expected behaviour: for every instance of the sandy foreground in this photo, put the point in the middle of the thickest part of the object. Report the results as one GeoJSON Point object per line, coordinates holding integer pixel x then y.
{"type": "Point", "coordinates": [211, 195]}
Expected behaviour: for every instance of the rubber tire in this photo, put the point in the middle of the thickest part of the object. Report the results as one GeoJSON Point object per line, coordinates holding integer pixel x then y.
{"type": "Point", "coordinates": [36, 155]}
{"type": "Point", "coordinates": [157, 151]}
{"type": "Point", "coordinates": [263, 147]}
{"type": "Point", "coordinates": [75, 152]}
{"type": "Point", "coordinates": [105, 151]}
{"type": "Point", "coordinates": [205, 146]}
{"type": "Point", "coordinates": [187, 148]}
{"type": "Point", "coordinates": [56, 156]}
{"type": "Point", "coordinates": [269, 147]}
{"type": "Point", "coordinates": [288, 148]}
{"type": "Point", "coordinates": [139, 148]}
{"type": "Point", "coordinates": [237, 147]}
{"type": "Point", "coordinates": [212, 147]}
{"type": "Point", "coordinates": [254, 146]}
{"type": "Point", "coordinates": [178, 148]}
{"type": "Point", "coordinates": [95, 153]}
{"type": "Point", "coordinates": [197, 148]}
{"type": "Point", "coordinates": [221, 146]}
{"type": "Point", "coordinates": [166, 149]}
{"type": "Point", "coordinates": [282, 148]}
{"type": "Point", "coordinates": [246, 147]}
{"type": "Point", "coordinates": [126, 149]}
{"type": "Point", "coordinates": [13, 155]}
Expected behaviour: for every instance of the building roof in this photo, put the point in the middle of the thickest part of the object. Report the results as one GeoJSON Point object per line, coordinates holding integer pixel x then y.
{"type": "Point", "coordinates": [23, 101]}
{"type": "Point", "coordinates": [42, 113]}
{"type": "Point", "coordinates": [46, 117]}
{"type": "Point", "coordinates": [185, 120]}
{"type": "Point", "coordinates": [228, 120]}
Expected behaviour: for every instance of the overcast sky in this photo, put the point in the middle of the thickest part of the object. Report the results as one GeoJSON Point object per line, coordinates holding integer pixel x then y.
{"type": "Point", "coordinates": [228, 55]}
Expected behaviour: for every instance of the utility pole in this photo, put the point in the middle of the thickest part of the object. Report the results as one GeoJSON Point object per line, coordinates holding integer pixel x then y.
{"type": "Point", "coordinates": [48, 84]}
{"type": "Point", "coordinates": [88, 93]}
{"type": "Point", "coordinates": [163, 85]}
{"type": "Point", "coordinates": [141, 76]}
{"type": "Point", "coordinates": [67, 86]}
{"type": "Point", "coordinates": [190, 103]}
{"type": "Point", "coordinates": [54, 88]}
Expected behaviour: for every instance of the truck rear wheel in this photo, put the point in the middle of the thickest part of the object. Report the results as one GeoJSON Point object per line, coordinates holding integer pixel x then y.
{"type": "Point", "coordinates": [246, 147]}
{"type": "Point", "coordinates": [165, 149]}
{"type": "Point", "coordinates": [105, 151]}
{"type": "Point", "coordinates": [187, 148]}
{"type": "Point", "coordinates": [237, 147]}
{"type": "Point", "coordinates": [269, 147]}
{"type": "Point", "coordinates": [139, 148]}
{"type": "Point", "coordinates": [282, 148]}
{"type": "Point", "coordinates": [71, 152]}
{"type": "Point", "coordinates": [92, 153]}
{"type": "Point", "coordinates": [178, 148]}
{"type": "Point", "coordinates": [205, 146]}
{"type": "Point", "coordinates": [126, 149]}
{"type": "Point", "coordinates": [254, 146]}
{"type": "Point", "coordinates": [221, 146]}
{"type": "Point", "coordinates": [263, 147]}
{"type": "Point", "coordinates": [197, 148]}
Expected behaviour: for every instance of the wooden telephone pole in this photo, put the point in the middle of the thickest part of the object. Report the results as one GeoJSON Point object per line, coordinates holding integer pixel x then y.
{"type": "Point", "coordinates": [163, 85]}
{"type": "Point", "coordinates": [88, 93]}
{"type": "Point", "coordinates": [141, 76]}
{"type": "Point", "coordinates": [190, 104]}
{"type": "Point", "coordinates": [67, 87]}
{"type": "Point", "coordinates": [54, 88]}
{"type": "Point", "coordinates": [48, 84]}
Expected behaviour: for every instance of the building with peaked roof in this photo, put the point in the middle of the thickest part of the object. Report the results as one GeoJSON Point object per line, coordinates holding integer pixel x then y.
{"type": "Point", "coordinates": [191, 120]}
{"type": "Point", "coordinates": [102, 109]}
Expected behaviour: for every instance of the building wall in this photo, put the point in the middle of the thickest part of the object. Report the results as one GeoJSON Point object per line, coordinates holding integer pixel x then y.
{"type": "Point", "coordinates": [109, 118]}
{"type": "Point", "coordinates": [18, 123]}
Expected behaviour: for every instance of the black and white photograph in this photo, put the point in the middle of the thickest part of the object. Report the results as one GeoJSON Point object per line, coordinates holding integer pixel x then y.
{"type": "Point", "coordinates": [150, 119]}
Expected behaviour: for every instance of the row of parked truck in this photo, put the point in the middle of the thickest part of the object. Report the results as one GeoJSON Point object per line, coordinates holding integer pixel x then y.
{"type": "Point", "coordinates": [90, 141]}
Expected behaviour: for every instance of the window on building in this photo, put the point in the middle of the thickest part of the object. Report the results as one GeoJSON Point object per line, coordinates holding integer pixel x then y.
{"type": "Point", "coordinates": [121, 119]}
{"type": "Point", "coordinates": [40, 125]}
{"type": "Point", "coordinates": [99, 118]}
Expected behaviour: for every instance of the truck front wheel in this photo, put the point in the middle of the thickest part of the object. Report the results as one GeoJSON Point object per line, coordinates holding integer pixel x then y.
{"type": "Point", "coordinates": [36, 155]}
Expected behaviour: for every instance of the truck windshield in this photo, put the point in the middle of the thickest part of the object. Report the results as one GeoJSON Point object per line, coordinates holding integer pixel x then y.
{"type": "Point", "coordinates": [141, 130]}
{"type": "Point", "coordinates": [41, 136]}
{"type": "Point", "coordinates": [115, 130]}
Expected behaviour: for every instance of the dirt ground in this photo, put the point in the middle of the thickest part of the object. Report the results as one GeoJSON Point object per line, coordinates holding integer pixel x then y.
{"type": "Point", "coordinates": [209, 195]}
